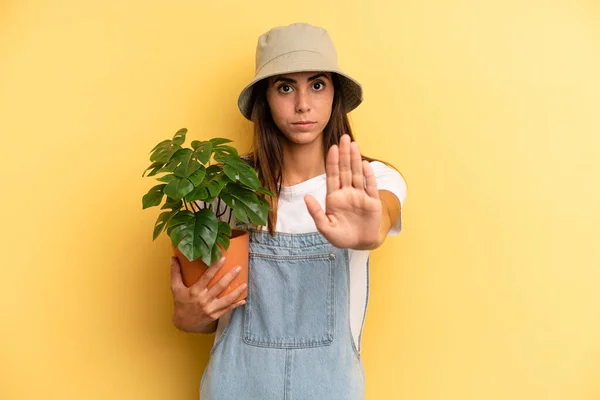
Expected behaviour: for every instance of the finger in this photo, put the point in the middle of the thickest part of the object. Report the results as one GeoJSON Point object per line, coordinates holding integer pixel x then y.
{"type": "Point", "coordinates": [226, 301]}
{"type": "Point", "coordinates": [358, 180]}
{"type": "Point", "coordinates": [224, 311]}
{"type": "Point", "coordinates": [332, 168]}
{"type": "Point", "coordinates": [371, 181]}
{"type": "Point", "coordinates": [202, 283]}
{"type": "Point", "coordinates": [316, 212]}
{"type": "Point", "coordinates": [345, 167]}
{"type": "Point", "coordinates": [176, 280]}
{"type": "Point", "coordinates": [222, 283]}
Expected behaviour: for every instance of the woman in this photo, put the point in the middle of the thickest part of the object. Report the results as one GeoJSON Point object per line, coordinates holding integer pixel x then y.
{"type": "Point", "coordinates": [298, 335]}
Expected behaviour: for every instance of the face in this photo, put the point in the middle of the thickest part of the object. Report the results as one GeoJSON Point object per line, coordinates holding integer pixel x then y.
{"type": "Point", "coordinates": [301, 104]}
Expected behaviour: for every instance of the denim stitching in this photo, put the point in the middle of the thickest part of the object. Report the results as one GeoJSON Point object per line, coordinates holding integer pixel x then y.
{"type": "Point", "coordinates": [296, 343]}
{"type": "Point", "coordinates": [348, 324]}
{"type": "Point", "coordinates": [362, 325]}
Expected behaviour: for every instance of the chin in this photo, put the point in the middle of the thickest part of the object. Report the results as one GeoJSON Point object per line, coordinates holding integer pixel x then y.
{"type": "Point", "coordinates": [302, 137]}
{"type": "Point", "coordinates": [299, 137]}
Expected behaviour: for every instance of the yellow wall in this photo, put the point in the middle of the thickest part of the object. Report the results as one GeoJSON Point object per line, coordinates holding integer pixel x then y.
{"type": "Point", "coordinates": [491, 110]}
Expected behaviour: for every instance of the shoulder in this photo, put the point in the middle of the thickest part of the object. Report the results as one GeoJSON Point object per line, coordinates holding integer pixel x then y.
{"type": "Point", "coordinates": [381, 169]}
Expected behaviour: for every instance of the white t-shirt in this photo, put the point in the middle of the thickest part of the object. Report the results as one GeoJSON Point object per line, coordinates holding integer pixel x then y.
{"type": "Point", "coordinates": [293, 217]}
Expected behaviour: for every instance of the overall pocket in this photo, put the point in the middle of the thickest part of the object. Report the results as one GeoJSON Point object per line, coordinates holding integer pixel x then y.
{"type": "Point", "coordinates": [290, 301]}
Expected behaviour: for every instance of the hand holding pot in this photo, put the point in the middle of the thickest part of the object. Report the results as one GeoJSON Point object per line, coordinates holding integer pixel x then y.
{"type": "Point", "coordinates": [197, 307]}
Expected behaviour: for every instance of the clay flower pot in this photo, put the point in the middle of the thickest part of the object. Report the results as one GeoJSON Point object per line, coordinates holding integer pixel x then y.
{"type": "Point", "coordinates": [199, 185]}
{"type": "Point", "coordinates": [237, 254]}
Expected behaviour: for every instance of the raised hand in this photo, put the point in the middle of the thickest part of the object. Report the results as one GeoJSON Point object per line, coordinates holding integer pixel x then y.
{"type": "Point", "coordinates": [352, 213]}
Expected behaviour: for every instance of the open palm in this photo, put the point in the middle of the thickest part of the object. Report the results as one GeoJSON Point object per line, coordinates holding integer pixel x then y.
{"type": "Point", "coordinates": [352, 213]}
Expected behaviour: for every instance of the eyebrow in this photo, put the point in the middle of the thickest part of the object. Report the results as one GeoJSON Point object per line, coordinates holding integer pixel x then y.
{"type": "Point", "coordinates": [288, 80]}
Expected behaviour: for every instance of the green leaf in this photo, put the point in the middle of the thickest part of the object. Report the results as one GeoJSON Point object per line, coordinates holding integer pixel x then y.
{"type": "Point", "coordinates": [186, 165]}
{"type": "Point", "coordinates": [169, 166]}
{"type": "Point", "coordinates": [179, 137]}
{"type": "Point", "coordinates": [215, 186]}
{"type": "Point", "coordinates": [215, 254]}
{"type": "Point", "coordinates": [230, 172]}
{"type": "Point", "coordinates": [237, 169]}
{"type": "Point", "coordinates": [219, 141]}
{"type": "Point", "coordinates": [155, 167]}
{"type": "Point", "coordinates": [172, 204]}
{"type": "Point", "coordinates": [240, 214]}
{"type": "Point", "coordinates": [223, 241]}
{"type": "Point", "coordinates": [265, 192]}
{"type": "Point", "coordinates": [163, 151]}
{"type": "Point", "coordinates": [161, 222]}
{"type": "Point", "coordinates": [178, 188]}
{"type": "Point", "coordinates": [203, 152]}
{"type": "Point", "coordinates": [167, 178]}
{"type": "Point", "coordinates": [227, 199]}
{"type": "Point", "coordinates": [195, 235]}
{"type": "Point", "coordinates": [199, 193]}
{"type": "Point", "coordinates": [226, 150]}
{"type": "Point", "coordinates": [247, 203]}
{"type": "Point", "coordinates": [249, 178]}
{"type": "Point", "coordinates": [198, 176]}
{"type": "Point", "coordinates": [153, 197]}
{"type": "Point", "coordinates": [162, 144]}
{"type": "Point", "coordinates": [225, 229]}
{"type": "Point", "coordinates": [213, 171]}
{"type": "Point", "coordinates": [264, 203]}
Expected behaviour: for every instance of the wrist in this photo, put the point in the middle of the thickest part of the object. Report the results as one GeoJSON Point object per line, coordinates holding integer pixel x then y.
{"type": "Point", "coordinates": [186, 326]}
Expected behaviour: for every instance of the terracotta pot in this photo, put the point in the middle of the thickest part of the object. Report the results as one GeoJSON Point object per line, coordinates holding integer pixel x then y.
{"type": "Point", "coordinates": [237, 254]}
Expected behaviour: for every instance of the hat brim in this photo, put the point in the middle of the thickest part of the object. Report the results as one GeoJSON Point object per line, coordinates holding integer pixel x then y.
{"type": "Point", "coordinates": [351, 89]}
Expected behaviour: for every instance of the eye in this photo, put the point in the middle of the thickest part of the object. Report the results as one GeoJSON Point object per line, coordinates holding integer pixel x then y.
{"type": "Point", "coordinates": [318, 86]}
{"type": "Point", "coordinates": [285, 88]}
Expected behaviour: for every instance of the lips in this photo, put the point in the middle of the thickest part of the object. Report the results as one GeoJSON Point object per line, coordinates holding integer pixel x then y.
{"type": "Point", "coordinates": [303, 123]}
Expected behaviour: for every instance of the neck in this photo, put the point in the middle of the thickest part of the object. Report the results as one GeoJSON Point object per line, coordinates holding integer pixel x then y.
{"type": "Point", "coordinates": [302, 161]}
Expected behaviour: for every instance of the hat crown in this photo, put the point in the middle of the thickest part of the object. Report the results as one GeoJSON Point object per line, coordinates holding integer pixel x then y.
{"type": "Point", "coordinates": [295, 37]}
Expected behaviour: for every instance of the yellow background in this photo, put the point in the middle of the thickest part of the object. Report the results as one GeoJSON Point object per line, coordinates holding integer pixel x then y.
{"type": "Point", "coordinates": [490, 109]}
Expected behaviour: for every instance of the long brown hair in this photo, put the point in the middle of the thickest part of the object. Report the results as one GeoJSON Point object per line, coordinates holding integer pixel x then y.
{"type": "Point", "coordinates": [267, 150]}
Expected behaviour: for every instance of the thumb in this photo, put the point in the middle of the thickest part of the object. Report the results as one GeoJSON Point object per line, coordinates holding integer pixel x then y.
{"type": "Point", "coordinates": [317, 213]}
{"type": "Point", "coordinates": [176, 280]}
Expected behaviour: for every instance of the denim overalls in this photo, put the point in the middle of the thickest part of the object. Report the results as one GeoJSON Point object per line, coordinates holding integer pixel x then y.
{"type": "Point", "coordinates": [292, 338]}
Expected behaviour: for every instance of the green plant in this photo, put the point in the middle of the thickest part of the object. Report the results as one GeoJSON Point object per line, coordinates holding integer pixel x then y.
{"type": "Point", "coordinates": [191, 184]}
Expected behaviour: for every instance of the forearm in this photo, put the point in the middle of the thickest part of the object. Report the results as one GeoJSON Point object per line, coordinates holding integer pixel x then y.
{"type": "Point", "coordinates": [384, 225]}
{"type": "Point", "coordinates": [179, 324]}
{"type": "Point", "coordinates": [390, 211]}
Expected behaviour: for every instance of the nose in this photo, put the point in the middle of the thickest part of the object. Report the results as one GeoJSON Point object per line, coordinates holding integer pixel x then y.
{"type": "Point", "coordinates": [302, 101]}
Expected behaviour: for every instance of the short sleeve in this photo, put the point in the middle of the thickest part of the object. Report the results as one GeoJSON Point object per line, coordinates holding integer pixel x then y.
{"type": "Point", "coordinates": [391, 180]}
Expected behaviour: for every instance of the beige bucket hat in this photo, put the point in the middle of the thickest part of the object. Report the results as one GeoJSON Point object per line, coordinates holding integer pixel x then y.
{"type": "Point", "coordinates": [298, 47]}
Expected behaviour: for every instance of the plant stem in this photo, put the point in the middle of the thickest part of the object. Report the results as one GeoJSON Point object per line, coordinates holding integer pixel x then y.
{"type": "Point", "coordinates": [218, 207]}
{"type": "Point", "coordinates": [229, 219]}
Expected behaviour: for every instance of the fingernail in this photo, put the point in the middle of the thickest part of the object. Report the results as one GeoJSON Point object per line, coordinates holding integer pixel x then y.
{"type": "Point", "coordinates": [238, 268]}
{"type": "Point", "coordinates": [221, 259]}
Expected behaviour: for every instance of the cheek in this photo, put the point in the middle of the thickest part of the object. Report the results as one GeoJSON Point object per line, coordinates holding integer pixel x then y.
{"type": "Point", "coordinates": [325, 106]}
{"type": "Point", "coordinates": [278, 115]}
{"type": "Point", "coordinates": [277, 107]}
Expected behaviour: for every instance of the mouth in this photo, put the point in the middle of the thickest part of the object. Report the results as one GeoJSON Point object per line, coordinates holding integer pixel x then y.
{"type": "Point", "coordinates": [303, 123]}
